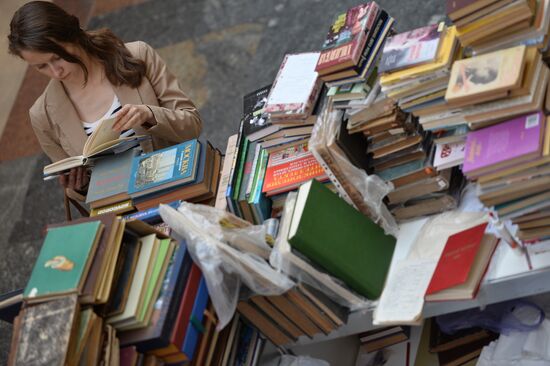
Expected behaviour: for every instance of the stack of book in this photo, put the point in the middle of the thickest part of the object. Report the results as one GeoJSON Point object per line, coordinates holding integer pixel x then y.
{"type": "Point", "coordinates": [510, 162]}
{"type": "Point", "coordinates": [101, 284]}
{"type": "Point", "coordinates": [301, 311]}
{"type": "Point", "coordinates": [270, 157]}
{"type": "Point", "coordinates": [380, 338]}
{"type": "Point", "coordinates": [127, 181]}
{"type": "Point", "coordinates": [352, 46]}
{"type": "Point", "coordinates": [488, 25]}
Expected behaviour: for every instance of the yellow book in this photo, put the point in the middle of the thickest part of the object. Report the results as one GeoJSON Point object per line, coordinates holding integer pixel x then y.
{"type": "Point", "coordinates": [495, 18]}
{"type": "Point", "coordinates": [546, 148]}
{"type": "Point", "coordinates": [444, 58]}
{"type": "Point", "coordinates": [117, 208]}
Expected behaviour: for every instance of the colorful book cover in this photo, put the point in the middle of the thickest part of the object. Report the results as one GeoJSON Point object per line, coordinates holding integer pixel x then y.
{"type": "Point", "coordinates": [255, 117]}
{"type": "Point", "coordinates": [64, 260]}
{"type": "Point", "coordinates": [492, 72]}
{"type": "Point", "coordinates": [288, 168]}
{"type": "Point", "coordinates": [173, 164]}
{"type": "Point", "coordinates": [347, 36]}
{"type": "Point", "coordinates": [411, 48]}
{"type": "Point", "coordinates": [296, 85]}
{"type": "Point", "coordinates": [503, 142]}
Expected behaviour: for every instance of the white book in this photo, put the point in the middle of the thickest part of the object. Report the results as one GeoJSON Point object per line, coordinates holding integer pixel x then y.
{"type": "Point", "coordinates": [449, 155]}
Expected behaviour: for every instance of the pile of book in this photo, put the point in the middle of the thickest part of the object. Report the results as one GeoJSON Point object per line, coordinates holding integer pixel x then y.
{"type": "Point", "coordinates": [128, 181]}
{"type": "Point", "coordinates": [270, 156]}
{"type": "Point", "coordinates": [104, 290]}
{"type": "Point", "coordinates": [510, 162]}
{"type": "Point", "coordinates": [495, 24]}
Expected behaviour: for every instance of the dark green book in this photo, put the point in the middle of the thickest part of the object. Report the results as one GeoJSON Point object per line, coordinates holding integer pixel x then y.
{"type": "Point", "coordinates": [64, 260]}
{"type": "Point", "coordinates": [334, 235]}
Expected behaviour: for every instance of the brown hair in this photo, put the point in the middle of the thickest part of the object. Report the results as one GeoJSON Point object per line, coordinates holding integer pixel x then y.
{"type": "Point", "coordinates": [42, 26]}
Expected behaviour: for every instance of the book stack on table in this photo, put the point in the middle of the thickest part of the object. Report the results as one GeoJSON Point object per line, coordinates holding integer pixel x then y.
{"type": "Point", "coordinates": [103, 291]}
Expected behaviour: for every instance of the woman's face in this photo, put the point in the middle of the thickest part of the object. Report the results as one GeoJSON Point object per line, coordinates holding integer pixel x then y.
{"type": "Point", "coordinates": [52, 65]}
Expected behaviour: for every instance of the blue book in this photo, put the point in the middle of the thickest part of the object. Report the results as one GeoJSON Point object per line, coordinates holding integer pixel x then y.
{"type": "Point", "coordinates": [150, 215]}
{"type": "Point", "coordinates": [170, 167]}
{"type": "Point", "coordinates": [157, 334]}
{"type": "Point", "coordinates": [201, 169]}
{"type": "Point", "coordinates": [110, 177]}
{"type": "Point", "coordinates": [192, 335]}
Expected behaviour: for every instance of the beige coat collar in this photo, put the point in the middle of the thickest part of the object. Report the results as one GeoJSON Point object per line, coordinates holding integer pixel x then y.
{"type": "Point", "coordinates": [62, 112]}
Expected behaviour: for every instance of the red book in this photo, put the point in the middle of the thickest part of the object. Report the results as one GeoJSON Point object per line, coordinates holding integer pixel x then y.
{"type": "Point", "coordinates": [184, 314]}
{"type": "Point", "coordinates": [287, 169]}
{"type": "Point", "coordinates": [462, 265]}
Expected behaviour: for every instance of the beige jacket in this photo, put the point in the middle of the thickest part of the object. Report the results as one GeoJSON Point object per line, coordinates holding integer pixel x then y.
{"type": "Point", "coordinates": [59, 129]}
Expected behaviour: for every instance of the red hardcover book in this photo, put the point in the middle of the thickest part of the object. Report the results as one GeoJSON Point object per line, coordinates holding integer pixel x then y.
{"type": "Point", "coordinates": [290, 167]}
{"type": "Point", "coordinates": [462, 265]}
{"type": "Point", "coordinates": [184, 314]}
{"type": "Point", "coordinates": [353, 29]}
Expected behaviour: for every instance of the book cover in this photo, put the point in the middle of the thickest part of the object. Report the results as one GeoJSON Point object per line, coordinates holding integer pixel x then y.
{"type": "Point", "coordinates": [347, 37]}
{"type": "Point", "coordinates": [288, 168]}
{"type": "Point", "coordinates": [175, 165]}
{"type": "Point", "coordinates": [110, 177]}
{"type": "Point", "coordinates": [254, 115]}
{"type": "Point", "coordinates": [458, 259]}
{"type": "Point", "coordinates": [449, 155]}
{"type": "Point", "coordinates": [504, 144]}
{"type": "Point", "coordinates": [411, 48]}
{"type": "Point", "coordinates": [296, 86]}
{"type": "Point", "coordinates": [490, 73]}
{"type": "Point", "coordinates": [47, 333]}
{"type": "Point", "coordinates": [64, 260]}
{"type": "Point", "coordinates": [321, 229]}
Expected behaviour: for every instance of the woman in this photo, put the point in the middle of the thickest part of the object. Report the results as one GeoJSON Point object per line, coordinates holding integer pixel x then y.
{"type": "Point", "coordinates": [95, 75]}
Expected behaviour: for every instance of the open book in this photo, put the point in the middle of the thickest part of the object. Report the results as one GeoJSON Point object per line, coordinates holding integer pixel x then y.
{"type": "Point", "coordinates": [104, 140]}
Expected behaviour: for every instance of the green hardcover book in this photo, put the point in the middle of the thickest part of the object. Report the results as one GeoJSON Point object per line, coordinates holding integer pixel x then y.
{"type": "Point", "coordinates": [63, 262]}
{"type": "Point", "coordinates": [340, 239]}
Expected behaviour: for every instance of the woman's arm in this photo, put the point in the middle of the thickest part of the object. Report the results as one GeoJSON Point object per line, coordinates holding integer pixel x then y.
{"type": "Point", "coordinates": [176, 118]}
{"type": "Point", "coordinates": [44, 133]}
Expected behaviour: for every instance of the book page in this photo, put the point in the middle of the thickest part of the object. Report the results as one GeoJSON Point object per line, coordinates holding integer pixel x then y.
{"type": "Point", "coordinates": [102, 134]}
{"type": "Point", "coordinates": [402, 300]}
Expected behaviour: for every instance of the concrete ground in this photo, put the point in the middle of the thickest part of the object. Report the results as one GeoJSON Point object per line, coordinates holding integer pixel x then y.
{"type": "Point", "coordinates": [219, 49]}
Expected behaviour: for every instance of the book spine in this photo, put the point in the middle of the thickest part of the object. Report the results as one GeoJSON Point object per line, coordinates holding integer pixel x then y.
{"type": "Point", "coordinates": [322, 159]}
{"type": "Point", "coordinates": [231, 181]}
{"type": "Point", "coordinates": [254, 172]}
{"type": "Point", "coordinates": [119, 207]}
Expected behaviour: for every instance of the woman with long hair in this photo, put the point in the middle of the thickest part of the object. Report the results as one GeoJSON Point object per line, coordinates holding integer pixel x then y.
{"type": "Point", "coordinates": [94, 75]}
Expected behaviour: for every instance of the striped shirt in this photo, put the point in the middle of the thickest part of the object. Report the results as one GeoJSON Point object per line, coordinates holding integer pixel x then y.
{"type": "Point", "coordinates": [89, 127]}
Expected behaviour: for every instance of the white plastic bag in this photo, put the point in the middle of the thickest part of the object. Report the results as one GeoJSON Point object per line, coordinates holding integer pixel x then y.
{"type": "Point", "coordinates": [364, 192]}
{"type": "Point", "coordinates": [287, 360]}
{"type": "Point", "coordinates": [228, 251]}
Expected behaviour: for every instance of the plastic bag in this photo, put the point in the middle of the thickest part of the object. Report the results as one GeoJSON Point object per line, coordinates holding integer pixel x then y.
{"type": "Point", "coordinates": [287, 262]}
{"type": "Point", "coordinates": [505, 317]}
{"type": "Point", "coordinates": [229, 251]}
{"type": "Point", "coordinates": [364, 192]}
{"type": "Point", "coordinates": [287, 360]}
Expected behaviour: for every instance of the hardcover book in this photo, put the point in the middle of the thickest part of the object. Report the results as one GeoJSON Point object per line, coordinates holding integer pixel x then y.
{"type": "Point", "coordinates": [462, 265]}
{"type": "Point", "coordinates": [346, 38]}
{"type": "Point", "coordinates": [486, 77]}
{"type": "Point", "coordinates": [103, 141]}
{"type": "Point", "coordinates": [288, 168]}
{"type": "Point", "coordinates": [296, 87]}
{"type": "Point", "coordinates": [110, 178]}
{"type": "Point", "coordinates": [47, 333]}
{"type": "Point", "coordinates": [321, 229]}
{"type": "Point", "coordinates": [173, 166]}
{"type": "Point", "coordinates": [504, 145]}
{"type": "Point", "coordinates": [64, 260]}
{"type": "Point", "coordinates": [411, 48]}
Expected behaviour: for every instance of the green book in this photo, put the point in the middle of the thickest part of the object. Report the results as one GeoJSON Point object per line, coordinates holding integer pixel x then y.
{"type": "Point", "coordinates": [63, 262]}
{"type": "Point", "coordinates": [347, 244]}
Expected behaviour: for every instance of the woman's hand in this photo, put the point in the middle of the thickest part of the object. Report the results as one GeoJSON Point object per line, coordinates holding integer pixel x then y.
{"type": "Point", "coordinates": [77, 179]}
{"type": "Point", "coordinates": [131, 115]}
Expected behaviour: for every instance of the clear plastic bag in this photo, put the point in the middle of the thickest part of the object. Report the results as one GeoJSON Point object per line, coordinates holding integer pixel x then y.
{"type": "Point", "coordinates": [298, 268]}
{"type": "Point", "coordinates": [287, 360]}
{"type": "Point", "coordinates": [229, 251]}
{"type": "Point", "coordinates": [364, 192]}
